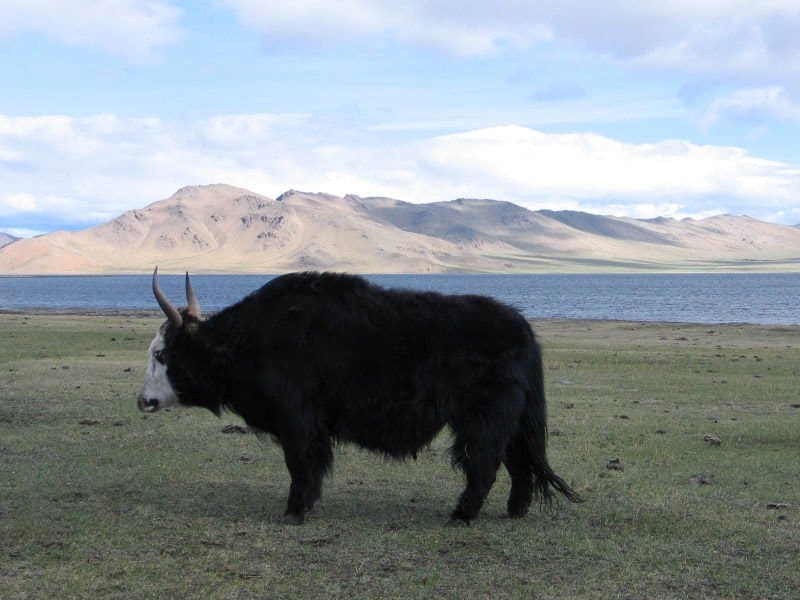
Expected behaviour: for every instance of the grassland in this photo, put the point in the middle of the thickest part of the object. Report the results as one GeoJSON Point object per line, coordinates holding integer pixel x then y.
{"type": "Point", "coordinates": [98, 500]}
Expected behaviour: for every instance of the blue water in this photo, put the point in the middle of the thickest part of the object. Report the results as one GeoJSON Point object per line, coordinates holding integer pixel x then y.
{"type": "Point", "coordinates": [692, 298]}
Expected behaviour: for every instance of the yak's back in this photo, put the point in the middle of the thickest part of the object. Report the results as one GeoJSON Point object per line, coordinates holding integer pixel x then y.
{"type": "Point", "coordinates": [348, 306]}
{"type": "Point", "coordinates": [316, 283]}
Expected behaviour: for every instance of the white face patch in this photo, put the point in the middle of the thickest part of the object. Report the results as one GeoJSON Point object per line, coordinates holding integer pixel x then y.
{"type": "Point", "coordinates": [157, 392]}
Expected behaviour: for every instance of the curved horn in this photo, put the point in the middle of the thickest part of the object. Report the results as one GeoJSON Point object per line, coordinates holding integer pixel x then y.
{"type": "Point", "coordinates": [194, 305]}
{"type": "Point", "coordinates": [172, 314]}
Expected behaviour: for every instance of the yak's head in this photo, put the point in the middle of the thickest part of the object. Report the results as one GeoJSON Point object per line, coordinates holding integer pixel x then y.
{"type": "Point", "coordinates": [159, 391]}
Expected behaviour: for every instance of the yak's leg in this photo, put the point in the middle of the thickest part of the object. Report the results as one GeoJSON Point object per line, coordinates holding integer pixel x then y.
{"type": "Point", "coordinates": [321, 459]}
{"type": "Point", "coordinates": [519, 467]}
{"type": "Point", "coordinates": [480, 468]}
{"type": "Point", "coordinates": [476, 452]}
{"type": "Point", "coordinates": [307, 463]}
{"type": "Point", "coordinates": [481, 437]}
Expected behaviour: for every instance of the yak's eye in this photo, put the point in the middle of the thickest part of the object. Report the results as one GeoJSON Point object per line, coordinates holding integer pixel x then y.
{"type": "Point", "coordinates": [159, 356]}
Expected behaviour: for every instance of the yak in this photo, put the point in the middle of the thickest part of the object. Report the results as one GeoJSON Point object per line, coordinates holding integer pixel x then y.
{"type": "Point", "coordinates": [314, 358]}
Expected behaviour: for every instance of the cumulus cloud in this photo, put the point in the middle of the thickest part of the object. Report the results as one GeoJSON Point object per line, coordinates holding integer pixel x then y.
{"type": "Point", "coordinates": [670, 177]}
{"type": "Point", "coordinates": [89, 169]}
{"type": "Point", "coordinates": [78, 171]}
{"type": "Point", "coordinates": [733, 36]}
{"type": "Point", "coordinates": [133, 29]}
{"type": "Point", "coordinates": [751, 39]}
{"type": "Point", "coordinates": [720, 44]}
{"type": "Point", "coordinates": [753, 105]}
{"type": "Point", "coordinates": [464, 28]}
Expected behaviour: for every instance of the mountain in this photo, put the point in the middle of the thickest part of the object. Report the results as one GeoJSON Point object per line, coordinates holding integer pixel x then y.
{"type": "Point", "coordinates": [6, 238]}
{"type": "Point", "coordinates": [221, 228]}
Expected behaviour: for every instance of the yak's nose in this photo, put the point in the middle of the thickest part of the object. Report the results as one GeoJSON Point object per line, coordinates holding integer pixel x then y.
{"type": "Point", "coordinates": [147, 404]}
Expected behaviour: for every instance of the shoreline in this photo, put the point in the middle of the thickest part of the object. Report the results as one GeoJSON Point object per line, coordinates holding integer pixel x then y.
{"type": "Point", "coordinates": [141, 313]}
{"type": "Point", "coordinates": [83, 312]}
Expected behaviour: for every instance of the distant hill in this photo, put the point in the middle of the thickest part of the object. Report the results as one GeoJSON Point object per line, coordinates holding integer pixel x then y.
{"type": "Point", "coordinates": [6, 238]}
{"type": "Point", "coordinates": [221, 228]}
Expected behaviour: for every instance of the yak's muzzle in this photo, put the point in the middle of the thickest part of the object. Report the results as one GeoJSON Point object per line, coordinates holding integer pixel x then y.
{"type": "Point", "coordinates": [147, 404]}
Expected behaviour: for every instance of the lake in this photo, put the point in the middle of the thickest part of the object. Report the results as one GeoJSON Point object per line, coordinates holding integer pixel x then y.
{"type": "Point", "coordinates": [764, 298]}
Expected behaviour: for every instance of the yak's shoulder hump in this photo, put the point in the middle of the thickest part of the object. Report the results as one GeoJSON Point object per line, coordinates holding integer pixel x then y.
{"type": "Point", "coordinates": [315, 282]}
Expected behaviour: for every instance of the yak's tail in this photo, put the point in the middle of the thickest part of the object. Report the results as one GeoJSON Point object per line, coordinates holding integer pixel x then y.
{"type": "Point", "coordinates": [533, 428]}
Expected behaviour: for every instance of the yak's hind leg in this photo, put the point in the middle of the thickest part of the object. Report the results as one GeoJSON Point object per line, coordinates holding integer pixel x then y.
{"type": "Point", "coordinates": [526, 461]}
{"type": "Point", "coordinates": [519, 466]}
{"type": "Point", "coordinates": [482, 435]}
{"type": "Point", "coordinates": [307, 462]}
{"type": "Point", "coordinates": [480, 468]}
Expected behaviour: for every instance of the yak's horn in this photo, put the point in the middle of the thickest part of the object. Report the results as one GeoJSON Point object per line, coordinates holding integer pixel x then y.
{"type": "Point", "coordinates": [194, 305]}
{"type": "Point", "coordinates": [172, 314]}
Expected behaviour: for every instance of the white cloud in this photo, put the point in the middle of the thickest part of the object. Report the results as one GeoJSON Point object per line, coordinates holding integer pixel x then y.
{"type": "Point", "coordinates": [719, 36]}
{"type": "Point", "coordinates": [751, 41]}
{"type": "Point", "coordinates": [20, 202]}
{"type": "Point", "coordinates": [130, 28]}
{"type": "Point", "coordinates": [12, 204]}
{"type": "Point", "coordinates": [714, 44]}
{"type": "Point", "coordinates": [753, 105]}
{"type": "Point", "coordinates": [527, 166]}
{"type": "Point", "coordinates": [464, 28]}
{"type": "Point", "coordinates": [90, 169]}
{"type": "Point", "coordinates": [756, 39]}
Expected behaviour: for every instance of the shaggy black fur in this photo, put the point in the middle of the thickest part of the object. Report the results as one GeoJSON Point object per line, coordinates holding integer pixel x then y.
{"type": "Point", "coordinates": [314, 358]}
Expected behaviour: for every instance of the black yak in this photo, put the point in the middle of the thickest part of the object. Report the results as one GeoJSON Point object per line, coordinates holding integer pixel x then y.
{"type": "Point", "coordinates": [316, 358]}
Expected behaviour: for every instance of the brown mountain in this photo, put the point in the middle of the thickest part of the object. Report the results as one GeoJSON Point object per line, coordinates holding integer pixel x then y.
{"type": "Point", "coordinates": [221, 228]}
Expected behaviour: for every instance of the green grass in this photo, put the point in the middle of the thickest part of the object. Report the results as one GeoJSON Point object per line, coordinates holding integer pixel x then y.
{"type": "Point", "coordinates": [98, 500]}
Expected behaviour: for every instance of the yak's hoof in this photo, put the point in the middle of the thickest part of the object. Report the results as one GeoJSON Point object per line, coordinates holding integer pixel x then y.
{"type": "Point", "coordinates": [518, 511]}
{"type": "Point", "coordinates": [292, 519]}
{"type": "Point", "coordinates": [460, 517]}
{"type": "Point", "coordinates": [457, 522]}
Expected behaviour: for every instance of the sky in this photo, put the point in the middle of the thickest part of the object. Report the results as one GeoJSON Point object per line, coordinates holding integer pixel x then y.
{"type": "Point", "coordinates": [620, 107]}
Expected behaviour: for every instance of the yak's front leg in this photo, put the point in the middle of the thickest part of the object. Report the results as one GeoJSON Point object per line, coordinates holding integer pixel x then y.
{"type": "Point", "coordinates": [308, 462]}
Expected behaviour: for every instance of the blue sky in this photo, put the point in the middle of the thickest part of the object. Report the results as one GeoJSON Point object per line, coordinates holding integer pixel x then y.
{"type": "Point", "coordinates": [640, 109]}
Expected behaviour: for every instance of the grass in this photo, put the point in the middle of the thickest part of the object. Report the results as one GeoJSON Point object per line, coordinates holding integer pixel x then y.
{"type": "Point", "coordinates": [98, 500]}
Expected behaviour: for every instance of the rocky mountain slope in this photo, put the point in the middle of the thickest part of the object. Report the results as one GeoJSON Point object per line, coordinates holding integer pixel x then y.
{"type": "Point", "coordinates": [5, 239]}
{"type": "Point", "coordinates": [221, 228]}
